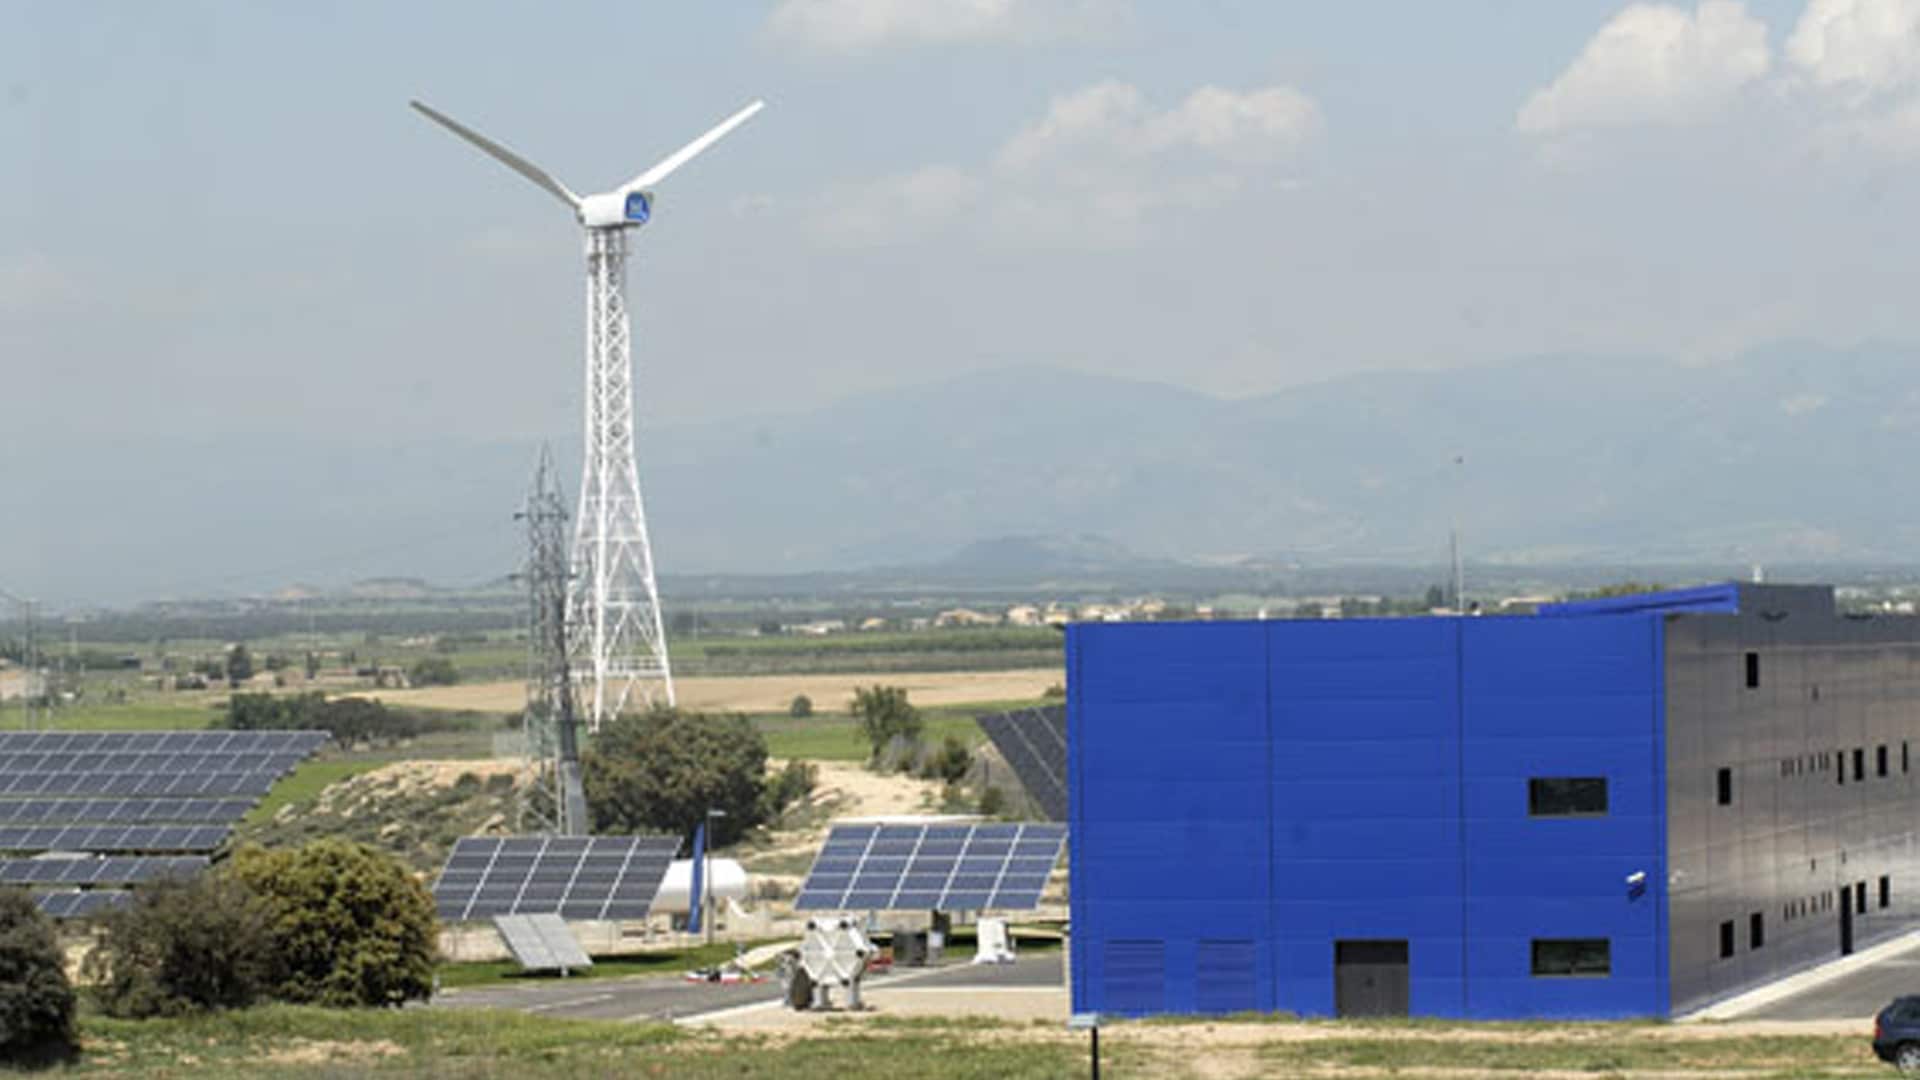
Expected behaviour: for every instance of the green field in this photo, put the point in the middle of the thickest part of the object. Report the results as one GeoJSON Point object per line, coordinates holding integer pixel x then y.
{"type": "Point", "coordinates": [834, 736]}
{"type": "Point", "coordinates": [434, 1042]}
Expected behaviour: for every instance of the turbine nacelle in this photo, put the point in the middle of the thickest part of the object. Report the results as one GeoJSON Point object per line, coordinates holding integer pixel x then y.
{"type": "Point", "coordinates": [616, 209]}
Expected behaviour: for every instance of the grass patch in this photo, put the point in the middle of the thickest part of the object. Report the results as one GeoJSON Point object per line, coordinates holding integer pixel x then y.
{"type": "Point", "coordinates": [133, 716]}
{"type": "Point", "coordinates": [307, 781]}
{"type": "Point", "coordinates": [1601, 1050]}
{"type": "Point", "coordinates": [666, 962]}
{"type": "Point", "coordinates": [832, 735]}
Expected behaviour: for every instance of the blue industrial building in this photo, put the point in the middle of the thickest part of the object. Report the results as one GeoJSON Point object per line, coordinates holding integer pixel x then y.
{"type": "Point", "coordinates": [1627, 807]}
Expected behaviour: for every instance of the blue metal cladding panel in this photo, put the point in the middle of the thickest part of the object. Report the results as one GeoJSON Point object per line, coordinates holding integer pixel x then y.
{"type": "Point", "coordinates": [1562, 697]}
{"type": "Point", "coordinates": [1294, 784]}
{"type": "Point", "coordinates": [1168, 754]}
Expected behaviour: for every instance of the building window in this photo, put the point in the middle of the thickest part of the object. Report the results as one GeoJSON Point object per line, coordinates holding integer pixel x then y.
{"type": "Point", "coordinates": [1756, 931]}
{"type": "Point", "coordinates": [1575, 957]}
{"type": "Point", "coordinates": [1723, 787]}
{"type": "Point", "coordinates": [1753, 670]}
{"type": "Point", "coordinates": [1726, 939]}
{"type": "Point", "coordinates": [1886, 891]}
{"type": "Point", "coordinates": [1840, 767]}
{"type": "Point", "coordinates": [1859, 898]}
{"type": "Point", "coordinates": [1880, 760]}
{"type": "Point", "coordinates": [1903, 755]}
{"type": "Point", "coordinates": [1859, 763]}
{"type": "Point", "coordinates": [1567, 796]}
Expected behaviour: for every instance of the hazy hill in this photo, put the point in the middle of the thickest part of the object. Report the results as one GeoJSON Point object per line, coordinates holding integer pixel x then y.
{"type": "Point", "coordinates": [1791, 453]}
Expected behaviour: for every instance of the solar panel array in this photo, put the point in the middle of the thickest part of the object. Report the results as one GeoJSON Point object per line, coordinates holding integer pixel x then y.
{"type": "Point", "coordinates": [1034, 742]}
{"type": "Point", "coordinates": [113, 837]}
{"type": "Point", "coordinates": [575, 877]}
{"type": "Point", "coordinates": [541, 943]}
{"type": "Point", "coordinates": [82, 905]}
{"type": "Point", "coordinates": [109, 870]}
{"type": "Point", "coordinates": [177, 785]}
{"type": "Point", "coordinates": [930, 867]}
{"type": "Point", "coordinates": [292, 745]}
{"type": "Point", "coordinates": [123, 811]}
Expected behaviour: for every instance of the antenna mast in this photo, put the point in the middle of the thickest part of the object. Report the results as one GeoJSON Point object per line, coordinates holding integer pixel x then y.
{"type": "Point", "coordinates": [552, 800]}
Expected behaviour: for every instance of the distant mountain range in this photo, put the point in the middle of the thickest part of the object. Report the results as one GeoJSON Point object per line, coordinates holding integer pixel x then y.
{"type": "Point", "coordinates": [1790, 453]}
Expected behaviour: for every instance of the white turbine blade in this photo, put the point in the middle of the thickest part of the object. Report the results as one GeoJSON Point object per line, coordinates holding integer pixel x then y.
{"type": "Point", "coordinates": [501, 154]}
{"type": "Point", "coordinates": [688, 152]}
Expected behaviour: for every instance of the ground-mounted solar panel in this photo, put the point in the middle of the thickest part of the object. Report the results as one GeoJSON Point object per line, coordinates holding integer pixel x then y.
{"type": "Point", "coordinates": [575, 877]}
{"type": "Point", "coordinates": [110, 811]}
{"type": "Point", "coordinates": [1034, 742]}
{"type": "Point", "coordinates": [82, 903]}
{"type": "Point", "coordinates": [108, 838]}
{"type": "Point", "coordinates": [296, 743]}
{"type": "Point", "coordinates": [118, 761]}
{"type": "Point", "coordinates": [541, 942]}
{"type": "Point", "coordinates": [162, 784]}
{"type": "Point", "coordinates": [932, 867]}
{"type": "Point", "coordinates": [106, 870]}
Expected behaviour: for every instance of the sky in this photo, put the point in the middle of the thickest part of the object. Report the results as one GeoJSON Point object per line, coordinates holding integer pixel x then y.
{"type": "Point", "coordinates": [221, 219]}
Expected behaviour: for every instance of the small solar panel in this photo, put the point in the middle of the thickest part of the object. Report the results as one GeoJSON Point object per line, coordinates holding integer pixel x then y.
{"type": "Point", "coordinates": [541, 942]}
{"type": "Point", "coordinates": [932, 867]}
{"type": "Point", "coordinates": [576, 877]}
{"type": "Point", "coordinates": [113, 837]}
{"type": "Point", "coordinates": [109, 870]}
{"type": "Point", "coordinates": [82, 904]}
{"type": "Point", "coordinates": [1034, 742]}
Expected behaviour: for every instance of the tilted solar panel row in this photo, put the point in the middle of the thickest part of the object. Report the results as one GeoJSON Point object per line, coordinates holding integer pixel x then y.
{"type": "Point", "coordinates": [131, 762]}
{"type": "Point", "coordinates": [112, 870]}
{"type": "Point", "coordinates": [122, 811]}
{"type": "Point", "coordinates": [601, 877]}
{"type": "Point", "coordinates": [1034, 742]}
{"type": "Point", "coordinates": [160, 742]}
{"type": "Point", "coordinates": [932, 867]}
{"type": "Point", "coordinates": [206, 784]}
{"type": "Point", "coordinates": [81, 904]}
{"type": "Point", "coordinates": [113, 837]}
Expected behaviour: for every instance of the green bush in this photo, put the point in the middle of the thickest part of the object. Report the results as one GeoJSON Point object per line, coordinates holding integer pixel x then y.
{"type": "Point", "coordinates": [789, 786]}
{"type": "Point", "coordinates": [348, 719]}
{"type": "Point", "coordinates": [884, 715]}
{"type": "Point", "coordinates": [661, 771]}
{"type": "Point", "coordinates": [433, 671]}
{"type": "Point", "coordinates": [36, 1001]}
{"type": "Point", "coordinates": [182, 946]}
{"type": "Point", "coordinates": [350, 925]}
{"type": "Point", "coordinates": [801, 708]}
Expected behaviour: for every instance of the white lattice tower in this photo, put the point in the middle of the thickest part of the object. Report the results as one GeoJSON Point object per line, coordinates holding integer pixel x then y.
{"type": "Point", "coordinates": [619, 641]}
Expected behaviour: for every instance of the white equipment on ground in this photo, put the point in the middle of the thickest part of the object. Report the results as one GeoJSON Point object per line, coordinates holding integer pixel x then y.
{"type": "Point", "coordinates": [833, 954]}
{"type": "Point", "coordinates": [727, 880]}
{"type": "Point", "coordinates": [995, 943]}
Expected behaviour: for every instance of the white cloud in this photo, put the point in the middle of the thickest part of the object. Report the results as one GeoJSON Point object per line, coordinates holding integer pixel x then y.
{"type": "Point", "coordinates": [1654, 64]}
{"type": "Point", "coordinates": [1860, 48]}
{"type": "Point", "coordinates": [1092, 168]}
{"type": "Point", "coordinates": [852, 26]}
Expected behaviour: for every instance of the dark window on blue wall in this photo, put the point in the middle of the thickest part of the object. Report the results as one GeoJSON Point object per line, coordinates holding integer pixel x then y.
{"type": "Point", "coordinates": [1756, 931]}
{"type": "Point", "coordinates": [1573, 957]}
{"type": "Point", "coordinates": [1753, 670]}
{"type": "Point", "coordinates": [1726, 939]}
{"type": "Point", "coordinates": [1880, 760]}
{"type": "Point", "coordinates": [1886, 890]}
{"type": "Point", "coordinates": [1859, 763]}
{"type": "Point", "coordinates": [1723, 787]}
{"type": "Point", "coordinates": [1567, 796]}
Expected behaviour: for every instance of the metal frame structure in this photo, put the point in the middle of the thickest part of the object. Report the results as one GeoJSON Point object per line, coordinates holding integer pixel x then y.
{"type": "Point", "coordinates": [620, 646]}
{"type": "Point", "coordinates": [552, 799]}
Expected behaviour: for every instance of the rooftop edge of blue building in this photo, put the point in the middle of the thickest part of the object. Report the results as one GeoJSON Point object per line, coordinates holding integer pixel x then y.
{"type": "Point", "coordinates": [1632, 806]}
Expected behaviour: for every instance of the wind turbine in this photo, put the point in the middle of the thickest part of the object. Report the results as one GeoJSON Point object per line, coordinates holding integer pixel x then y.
{"type": "Point", "coordinates": [613, 604]}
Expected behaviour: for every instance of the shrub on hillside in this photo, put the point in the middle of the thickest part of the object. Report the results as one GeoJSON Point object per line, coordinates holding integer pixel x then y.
{"type": "Point", "coordinates": [347, 719]}
{"type": "Point", "coordinates": [949, 763]}
{"type": "Point", "coordinates": [788, 786]}
{"type": "Point", "coordinates": [885, 715]}
{"type": "Point", "coordinates": [661, 771]}
{"type": "Point", "coordinates": [349, 925]}
{"type": "Point", "coordinates": [182, 946]}
{"type": "Point", "coordinates": [36, 1001]}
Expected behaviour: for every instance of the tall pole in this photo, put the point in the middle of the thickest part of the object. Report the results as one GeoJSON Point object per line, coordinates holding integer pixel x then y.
{"type": "Point", "coordinates": [1459, 575]}
{"type": "Point", "coordinates": [613, 600]}
{"type": "Point", "coordinates": [706, 875]}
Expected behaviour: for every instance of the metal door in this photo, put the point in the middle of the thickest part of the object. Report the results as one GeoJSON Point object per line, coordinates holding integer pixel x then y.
{"type": "Point", "coordinates": [1370, 978]}
{"type": "Point", "coordinates": [1846, 922]}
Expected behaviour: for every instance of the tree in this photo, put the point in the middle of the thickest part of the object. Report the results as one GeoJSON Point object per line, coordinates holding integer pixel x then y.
{"type": "Point", "coordinates": [1436, 597]}
{"type": "Point", "coordinates": [350, 925]}
{"type": "Point", "coordinates": [182, 946]}
{"type": "Point", "coordinates": [313, 665]}
{"type": "Point", "coordinates": [801, 708]}
{"type": "Point", "coordinates": [433, 671]}
{"type": "Point", "coordinates": [661, 771]}
{"type": "Point", "coordinates": [239, 665]}
{"type": "Point", "coordinates": [36, 1001]}
{"type": "Point", "coordinates": [884, 713]}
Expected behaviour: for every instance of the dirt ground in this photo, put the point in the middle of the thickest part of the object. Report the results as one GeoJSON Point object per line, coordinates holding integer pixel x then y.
{"type": "Point", "coordinates": [766, 693]}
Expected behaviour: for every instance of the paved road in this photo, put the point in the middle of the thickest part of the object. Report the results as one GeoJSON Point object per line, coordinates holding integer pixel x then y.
{"type": "Point", "coordinates": [659, 997]}
{"type": "Point", "coordinates": [1857, 995]}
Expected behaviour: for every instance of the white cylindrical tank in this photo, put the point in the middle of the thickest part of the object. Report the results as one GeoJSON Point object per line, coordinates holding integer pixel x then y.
{"type": "Point", "coordinates": [729, 883]}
